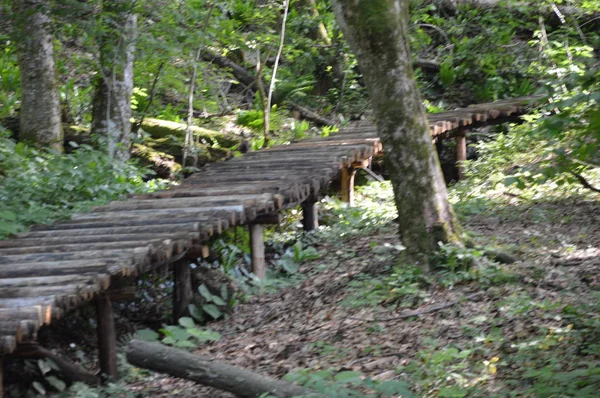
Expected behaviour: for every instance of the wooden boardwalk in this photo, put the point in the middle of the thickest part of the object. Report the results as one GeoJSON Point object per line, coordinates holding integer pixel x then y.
{"type": "Point", "coordinates": [46, 272]}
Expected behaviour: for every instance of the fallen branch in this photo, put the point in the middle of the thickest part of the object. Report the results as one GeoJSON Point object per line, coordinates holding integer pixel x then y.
{"type": "Point", "coordinates": [69, 370]}
{"type": "Point", "coordinates": [204, 370]}
{"type": "Point", "coordinates": [418, 313]}
{"type": "Point", "coordinates": [310, 115]}
{"type": "Point", "coordinates": [584, 182]}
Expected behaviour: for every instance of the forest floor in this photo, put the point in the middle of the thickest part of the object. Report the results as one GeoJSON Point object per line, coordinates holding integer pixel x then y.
{"type": "Point", "coordinates": [532, 330]}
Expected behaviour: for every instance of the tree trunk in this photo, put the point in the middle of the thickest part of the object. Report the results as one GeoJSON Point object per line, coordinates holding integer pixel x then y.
{"type": "Point", "coordinates": [111, 116]}
{"type": "Point", "coordinates": [377, 31]}
{"type": "Point", "coordinates": [203, 370]}
{"type": "Point", "coordinates": [40, 103]}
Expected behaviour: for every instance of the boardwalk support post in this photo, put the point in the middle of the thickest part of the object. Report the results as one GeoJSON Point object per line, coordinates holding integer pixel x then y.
{"type": "Point", "coordinates": [182, 292]}
{"type": "Point", "coordinates": [461, 152]}
{"type": "Point", "coordinates": [107, 336]}
{"type": "Point", "coordinates": [347, 189]}
{"type": "Point", "coordinates": [257, 248]}
{"type": "Point", "coordinates": [310, 215]}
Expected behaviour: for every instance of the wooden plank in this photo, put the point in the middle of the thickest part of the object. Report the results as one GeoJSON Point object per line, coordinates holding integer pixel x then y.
{"type": "Point", "coordinates": [179, 203]}
{"type": "Point", "coordinates": [59, 268]}
{"type": "Point", "coordinates": [128, 215]}
{"type": "Point", "coordinates": [101, 280]}
{"type": "Point", "coordinates": [82, 247]}
{"type": "Point", "coordinates": [93, 239]}
{"type": "Point", "coordinates": [195, 227]}
{"type": "Point", "coordinates": [40, 314]}
{"type": "Point", "coordinates": [130, 255]}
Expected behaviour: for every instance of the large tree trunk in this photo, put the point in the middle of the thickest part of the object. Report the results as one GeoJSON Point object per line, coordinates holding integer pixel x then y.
{"type": "Point", "coordinates": [111, 116]}
{"type": "Point", "coordinates": [203, 370]}
{"type": "Point", "coordinates": [377, 31]}
{"type": "Point", "coordinates": [40, 103]}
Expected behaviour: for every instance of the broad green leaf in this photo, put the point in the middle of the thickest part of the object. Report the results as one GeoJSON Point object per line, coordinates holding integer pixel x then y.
{"type": "Point", "coordinates": [347, 376]}
{"type": "Point", "coordinates": [203, 290]}
{"type": "Point", "coordinates": [224, 292]}
{"type": "Point", "coordinates": [187, 322]}
{"type": "Point", "coordinates": [212, 310]}
{"type": "Point", "coordinates": [56, 383]}
{"type": "Point", "coordinates": [39, 387]}
{"type": "Point", "coordinates": [218, 300]}
{"type": "Point", "coordinates": [147, 335]}
{"type": "Point", "coordinates": [196, 312]}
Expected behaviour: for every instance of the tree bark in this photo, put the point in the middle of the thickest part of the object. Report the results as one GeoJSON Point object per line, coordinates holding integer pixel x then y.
{"type": "Point", "coordinates": [40, 102]}
{"type": "Point", "coordinates": [206, 371]}
{"type": "Point", "coordinates": [377, 31]}
{"type": "Point", "coordinates": [111, 117]}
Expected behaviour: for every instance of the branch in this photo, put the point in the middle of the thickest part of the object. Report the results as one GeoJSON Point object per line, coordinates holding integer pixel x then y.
{"type": "Point", "coordinates": [584, 182]}
{"type": "Point", "coordinates": [310, 115]}
{"type": "Point", "coordinates": [429, 310]}
{"type": "Point", "coordinates": [69, 370]}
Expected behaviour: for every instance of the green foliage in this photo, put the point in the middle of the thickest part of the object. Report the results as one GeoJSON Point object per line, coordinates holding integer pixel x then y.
{"type": "Point", "coordinates": [295, 256]}
{"type": "Point", "coordinates": [254, 119]}
{"type": "Point", "coordinates": [375, 209]}
{"type": "Point", "coordinates": [38, 186]}
{"type": "Point", "coordinates": [455, 265]}
{"type": "Point", "coordinates": [10, 90]}
{"type": "Point", "coordinates": [214, 305]}
{"type": "Point", "coordinates": [185, 335]}
{"type": "Point", "coordinates": [348, 384]}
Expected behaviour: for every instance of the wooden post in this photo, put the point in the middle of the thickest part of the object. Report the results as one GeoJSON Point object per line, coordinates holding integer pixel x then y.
{"type": "Point", "coordinates": [347, 193]}
{"type": "Point", "coordinates": [461, 152]}
{"type": "Point", "coordinates": [257, 248]}
{"type": "Point", "coordinates": [1, 377]}
{"type": "Point", "coordinates": [182, 292]}
{"type": "Point", "coordinates": [310, 216]}
{"type": "Point", "coordinates": [107, 336]}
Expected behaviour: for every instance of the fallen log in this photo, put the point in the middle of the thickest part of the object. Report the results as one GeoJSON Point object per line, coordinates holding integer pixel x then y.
{"type": "Point", "coordinates": [158, 128]}
{"type": "Point", "coordinates": [311, 116]}
{"type": "Point", "coordinates": [204, 370]}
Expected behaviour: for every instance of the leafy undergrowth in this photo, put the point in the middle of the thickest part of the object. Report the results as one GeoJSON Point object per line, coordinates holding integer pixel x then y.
{"type": "Point", "coordinates": [530, 329]}
{"type": "Point", "coordinates": [41, 186]}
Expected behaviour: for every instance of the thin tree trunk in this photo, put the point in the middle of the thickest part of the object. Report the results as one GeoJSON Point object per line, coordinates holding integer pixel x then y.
{"type": "Point", "coordinates": [377, 31]}
{"type": "Point", "coordinates": [111, 116]}
{"type": "Point", "coordinates": [286, 5]}
{"type": "Point", "coordinates": [40, 102]}
{"type": "Point", "coordinates": [262, 97]}
{"type": "Point", "coordinates": [189, 146]}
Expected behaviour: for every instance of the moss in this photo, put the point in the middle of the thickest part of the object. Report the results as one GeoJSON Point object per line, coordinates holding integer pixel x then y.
{"type": "Point", "coordinates": [162, 128]}
{"type": "Point", "coordinates": [375, 19]}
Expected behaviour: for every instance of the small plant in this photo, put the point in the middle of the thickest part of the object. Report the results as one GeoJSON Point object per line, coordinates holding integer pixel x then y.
{"type": "Point", "coordinates": [296, 255]}
{"type": "Point", "coordinates": [184, 335]}
{"type": "Point", "coordinates": [348, 384]}
{"type": "Point", "coordinates": [214, 304]}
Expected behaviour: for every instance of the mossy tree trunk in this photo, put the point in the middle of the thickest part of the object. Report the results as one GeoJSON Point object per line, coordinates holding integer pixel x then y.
{"type": "Point", "coordinates": [40, 102]}
{"type": "Point", "coordinates": [377, 31]}
{"type": "Point", "coordinates": [111, 117]}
